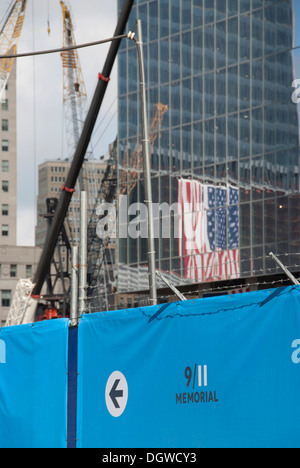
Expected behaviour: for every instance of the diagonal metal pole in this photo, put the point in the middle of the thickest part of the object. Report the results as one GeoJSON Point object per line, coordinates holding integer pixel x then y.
{"type": "Point", "coordinates": [147, 170]}
{"type": "Point", "coordinates": [171, 286]}
{"type": "Point", "coordinates": [286, 271]}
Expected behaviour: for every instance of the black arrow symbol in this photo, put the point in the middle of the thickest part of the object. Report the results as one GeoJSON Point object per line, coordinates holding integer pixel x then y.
{"type": "Point", "coordinates": [114, 393]}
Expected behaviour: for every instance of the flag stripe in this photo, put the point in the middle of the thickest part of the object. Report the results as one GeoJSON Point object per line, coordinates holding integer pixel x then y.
{"type": "Point", "coordinates": [209, 227]}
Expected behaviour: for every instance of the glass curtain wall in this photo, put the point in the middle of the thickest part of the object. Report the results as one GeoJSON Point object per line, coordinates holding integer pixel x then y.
{"type": "Point", "coordinates": [224, 137]}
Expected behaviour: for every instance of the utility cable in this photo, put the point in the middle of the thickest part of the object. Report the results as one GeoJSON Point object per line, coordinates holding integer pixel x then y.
{"type": "Point", "coordinates": [104, 131]}
{"type": "Point", "coordinates": [63, 49]}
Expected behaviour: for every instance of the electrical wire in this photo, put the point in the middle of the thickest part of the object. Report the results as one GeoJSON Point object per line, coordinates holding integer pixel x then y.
{"type": "Point", "coordinates": [105, 116]}
{"type": "Point", "coordinates": [63, 49]}
{"type": "Point", "coordinates": [104, 131]}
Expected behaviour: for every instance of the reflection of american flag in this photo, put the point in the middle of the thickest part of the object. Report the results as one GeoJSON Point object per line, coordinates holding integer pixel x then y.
{"type": "Point", "coordinates": [209, 227]}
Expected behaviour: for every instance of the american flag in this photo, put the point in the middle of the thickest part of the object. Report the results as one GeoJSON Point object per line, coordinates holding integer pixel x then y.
{"type": "Point", "coordinates": [209, 228]}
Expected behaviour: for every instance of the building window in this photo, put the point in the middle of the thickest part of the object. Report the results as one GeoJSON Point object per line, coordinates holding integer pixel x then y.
{"type": "Point", "coordinates": [4, 105]}
{"type": "Point", "coordinates": [5, 298]}
{"type": "Point", "coordinates": [13, 271]}
{"type": "Point", "coordinates": [5, 145]}
{"type": "Point", "coordinates": [4, 125]}
{"type": "Point", "coordinates": [5, 185]}
{"type": "Point", "coordinates": [4, 230]}
{"type": "Point", "coordinates": [5, 210]}
{"type": "Point", "coordinates": [5, 166]}
{"type": "Point", "coordinates": [28, 271]}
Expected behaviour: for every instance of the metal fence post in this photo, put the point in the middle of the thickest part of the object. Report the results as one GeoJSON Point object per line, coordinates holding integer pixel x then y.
{"type": "Point", "coordinates": [83, 254]}
{"type": "Point", "coordinates": [74, 287]}
{"type": "Point", "coordinates": [147, 168]}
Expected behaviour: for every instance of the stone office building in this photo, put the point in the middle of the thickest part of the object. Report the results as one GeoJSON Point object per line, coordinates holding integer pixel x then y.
{"type": "Point", "coordinates": [16, 262]}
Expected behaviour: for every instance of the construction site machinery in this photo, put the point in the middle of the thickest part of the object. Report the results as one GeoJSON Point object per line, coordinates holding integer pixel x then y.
{"type": "Point", "coordinates": [75, 110]}
{"type": "Point", "coordinates": [11, 28]}
{"type": "Point", "coordinates": [102, 281]}
{"type": "Point", "coordinates": [130, 175]}
{"type": "Point", "coordinates": [75, 106]}
{"type": "Point", "coordinates": [102, 274]}
{"type": "Point", "coordinates": [78, 159]}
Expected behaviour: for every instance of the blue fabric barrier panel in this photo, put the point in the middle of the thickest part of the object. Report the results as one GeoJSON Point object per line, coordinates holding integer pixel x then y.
{"type": "Point", "coordinates": [33, 385]}
{"type": "Point", "coordinates": [217, 372]}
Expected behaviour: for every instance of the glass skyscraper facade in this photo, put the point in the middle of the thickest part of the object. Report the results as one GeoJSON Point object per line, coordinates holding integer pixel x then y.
{"type": "Point", "coordinates": [224, 137]}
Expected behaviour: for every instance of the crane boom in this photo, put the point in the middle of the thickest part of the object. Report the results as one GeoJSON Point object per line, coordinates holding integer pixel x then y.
{"type": "Point", "coordinates": [9, 38]}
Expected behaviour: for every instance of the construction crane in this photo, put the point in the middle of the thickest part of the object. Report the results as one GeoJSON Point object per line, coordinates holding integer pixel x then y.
{"type": "Point", "coordinates": [9, 38]}
{"type": "Point", "coordinates": [25, 304]}
{"type": "Point", "coordinates": [134, 165]}
{"type": "Point", "coordinates": [74, 90]}
{"type": "Point", "coordinates": [101, 252]}
{"type": "Point", "coordinates": [75, 107]}
{"type": "Point", "coordinates": [75, 101]}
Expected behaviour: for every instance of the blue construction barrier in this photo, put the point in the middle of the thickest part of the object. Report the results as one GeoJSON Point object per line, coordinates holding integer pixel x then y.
{"type": "Point", "coordinates": [216, 372]}
{"type": "Point", "coordinates": [33, 385]}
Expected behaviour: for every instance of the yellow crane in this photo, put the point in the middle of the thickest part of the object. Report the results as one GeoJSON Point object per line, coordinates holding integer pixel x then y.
{"type": "Point", "coordinates": [9, 38]}
{"type": "Point", "coordinates": [134, 166]}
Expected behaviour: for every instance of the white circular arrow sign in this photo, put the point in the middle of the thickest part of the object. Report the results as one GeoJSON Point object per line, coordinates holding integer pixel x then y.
{"type": "Point", "coordinates": [116, 394]}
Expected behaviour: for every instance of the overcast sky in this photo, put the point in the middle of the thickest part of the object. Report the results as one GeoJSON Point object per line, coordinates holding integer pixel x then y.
{"type": "Point", "coordinates": [40, 118]}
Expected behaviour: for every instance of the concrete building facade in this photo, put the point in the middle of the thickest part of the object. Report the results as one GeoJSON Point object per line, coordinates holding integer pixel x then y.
{"type": "Point", "coordinates": [16, 262]}
{"type": "Point", "coordinates": [228, 138]}
{"type": "Point", "coordinates": [51, 178]}
{"type": "Point", "coordinates": [8, 168]}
